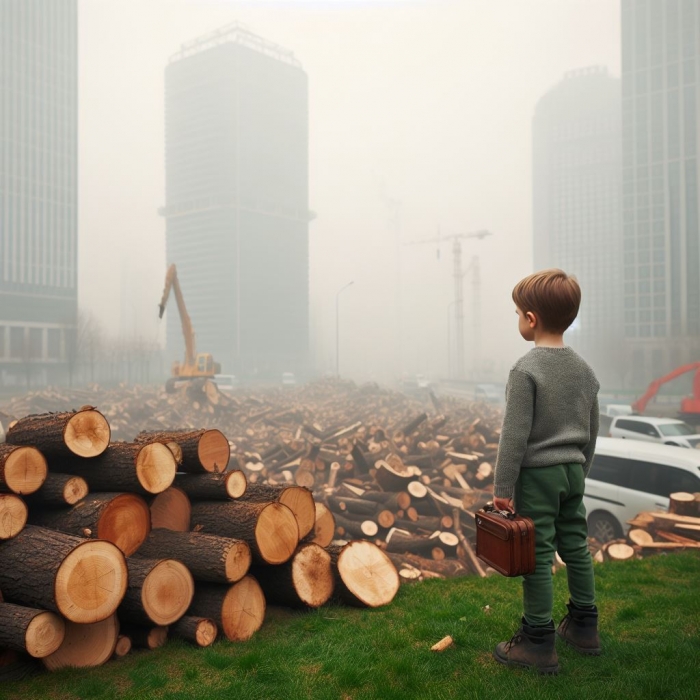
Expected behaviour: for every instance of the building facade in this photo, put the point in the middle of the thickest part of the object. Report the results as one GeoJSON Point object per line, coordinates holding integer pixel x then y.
{"type": "Point", "coordinates": [577, 206]}
{"type": "Point", "coordinates": [237, 201]}
{"type": "Point", "coordinates": [38, 190]}
{"type": "Point", "coordinates": [660, 73]}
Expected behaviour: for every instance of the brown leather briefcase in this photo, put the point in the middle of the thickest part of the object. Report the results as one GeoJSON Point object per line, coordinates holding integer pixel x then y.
{"type": "Point", "coordinates": [505, 541]}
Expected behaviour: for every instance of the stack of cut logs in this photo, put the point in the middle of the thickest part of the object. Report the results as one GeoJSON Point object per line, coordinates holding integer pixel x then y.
{"type": "Point", "coordinates": [654, 532]}
{"type": "Point", "coordinates": [108, 545]}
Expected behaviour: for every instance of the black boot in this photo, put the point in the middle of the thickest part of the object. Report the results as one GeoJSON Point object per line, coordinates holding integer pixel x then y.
{"type": "Point", "coordinates": [579, 629]}
{"type": "Point", "coordinates": [530, 647]}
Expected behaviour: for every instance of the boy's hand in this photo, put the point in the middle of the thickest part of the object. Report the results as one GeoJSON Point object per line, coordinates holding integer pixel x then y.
{"type": "Point", "coordinates": [503, 504]}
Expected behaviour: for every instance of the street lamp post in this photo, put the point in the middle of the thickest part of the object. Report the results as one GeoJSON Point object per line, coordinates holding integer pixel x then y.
{"type": "Point", "coordinates": [337, 327]}
{"type": "Point", "coordinates": [449, 339]}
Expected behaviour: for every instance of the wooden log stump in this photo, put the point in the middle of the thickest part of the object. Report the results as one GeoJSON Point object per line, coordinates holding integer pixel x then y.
{"type": "Point", "coordinates": [639, 537]}
{"type": "Point", "coordinates": [59, 490]}
{"type": "Point", "coordinates": [619, 551]}
{"type": "Point", "coordinates": [358, 506]}
{"type": "Point", "coordinates": [399, 541]}
{"type": "Point", "coordinates": [270, 529]}
{"type": "Point", "coordinates": [85, 645]}
{"type": "Point", "coordinates": [36, 632]}
{"type": "Point", "coordinates": [237, 610]}
{"type": "Point", "coordinates": [13, 515]}
{"type": "Point", "coordinates": [208, 557]}
{"type": "Point", "coordinates": [171, 510]}
{"type": "Point", "coordinates": [392, 501]}
{"type": "Point", "coordinates": [213, 487]}
{"type": "Point", "coordinates": [297, 498]}
{"type": "Point", "coordinates": [147, 636]}
{"type": "Point", "coordinates": [147, 469]}
{"type": "Point", "coordinates": [120, 518]}
{"type": "Point", "coordinates": [159, 592]}
{"type": "Point", "coordinates": [83, 580]}
{"type": "Point", "coordinates": [200, 631]}
{"type": "Point", "coordinates": [306, 580]}
{"type": "Point", "coordinates": [202, 450]}
{"type": "Point", "coordinates": [345, 527]}
{"type": "Point", "coordinates": [83, 433]}
{"type": "Point", "coordinates": [364, 575]}
{"type": "Point", "coordinates": [682, 503]}
{"type": "Point", "coordinates": [23, 470]}
{"type": "Point", "coordinates": [390, 479]}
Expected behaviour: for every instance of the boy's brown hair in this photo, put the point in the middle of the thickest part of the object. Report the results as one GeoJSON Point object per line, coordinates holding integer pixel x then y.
{"type": "Point", "coordinates": [552, 295]}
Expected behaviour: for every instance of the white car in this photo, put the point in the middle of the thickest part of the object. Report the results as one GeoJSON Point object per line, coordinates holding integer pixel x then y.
{"type": "Point", "coordinates": [667, 431]}
{"type": "Point", "coordinates": [628, 477]}
{"type": "Point", "coordinates": [227, 383]}
{"type": "Point", "coordinates": [288, 379]}
{"type": "Point", "coordinates": [617, 409]}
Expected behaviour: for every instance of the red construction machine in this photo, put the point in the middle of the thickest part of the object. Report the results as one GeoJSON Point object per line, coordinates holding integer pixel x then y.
{"type": "Point", "coordinates": [690, 405]}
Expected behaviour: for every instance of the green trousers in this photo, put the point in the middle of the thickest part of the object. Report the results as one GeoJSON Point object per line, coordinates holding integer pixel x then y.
{"type": "Point", "coordinates": [553, 498]}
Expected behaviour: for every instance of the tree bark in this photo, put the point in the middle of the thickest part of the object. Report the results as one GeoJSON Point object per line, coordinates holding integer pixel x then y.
{"type": "Point", "coordinates": [37, 632]}
{"type": "Point", "coordinates": [22, 469]}
{"type": "Point", "coordinates": [200, 631]}
{"type": "Point", "coordinates": [213, 487]}
{"type": "Point", "coordinates": [59, 490]}
{"type": "Point", "coordinates": [83, 580]}
{"type": "Point", "coordinates": [364, 575]}
{"type": "Point", "coordinates": [146, 469]}
{"type": "Point", "coordinates": [159, 592]}
{"type": "Point", "coordinates": [208, 557]}
{"type": "Point", "coordinates": [270, 529]}
{"type": "Point", "coordinates": [238, 610]}
{"type": "Point", "coordinates": [202, 450]}
{"type": "Point", "coordinates": [120, 518]}
{"type": "Point", "coordinates": [83, 433]}
{"type": "Point", "coordinates": [306, 580]}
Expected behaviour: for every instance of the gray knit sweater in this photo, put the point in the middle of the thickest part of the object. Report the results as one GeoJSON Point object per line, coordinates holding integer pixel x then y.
{"type": "Point", "coordinates": [551, 415]}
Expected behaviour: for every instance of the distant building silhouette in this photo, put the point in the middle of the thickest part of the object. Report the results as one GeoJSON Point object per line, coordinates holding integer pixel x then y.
{"type": "Point", "coordinates": [38, 190]}
{"type": "Point", "coordinates": [577, 205]}
{"type": "Point", "coordinates": [236, 110]}
{"type": "Point", "coordinates": [660, 74]}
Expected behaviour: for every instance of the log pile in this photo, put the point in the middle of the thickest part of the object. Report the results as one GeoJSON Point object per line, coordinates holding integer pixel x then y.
{"type": "Point", "coordinates": [101, 553]}
{"type": "Point", "coordinates": [656, 532]}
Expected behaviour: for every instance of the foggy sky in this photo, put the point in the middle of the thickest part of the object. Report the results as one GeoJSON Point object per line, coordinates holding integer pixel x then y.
{"type": "Point", "coordinates": [424, 103]}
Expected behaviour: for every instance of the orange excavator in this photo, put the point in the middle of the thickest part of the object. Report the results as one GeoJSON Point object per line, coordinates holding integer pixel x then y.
{"type": "Point", "coordinates": [690, 405]}
{"type": "Point", "coordinates": [197, 365]}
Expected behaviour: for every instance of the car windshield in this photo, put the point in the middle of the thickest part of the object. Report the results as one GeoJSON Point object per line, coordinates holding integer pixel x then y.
{"type": "Point", "coordinates": [669, 429]}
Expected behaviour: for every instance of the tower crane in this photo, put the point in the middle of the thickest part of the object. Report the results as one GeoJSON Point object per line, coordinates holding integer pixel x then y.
{"type": "Point", "coordinates": [458, 275]}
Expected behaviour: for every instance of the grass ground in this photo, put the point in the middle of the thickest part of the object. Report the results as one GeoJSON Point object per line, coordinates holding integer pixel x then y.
{"type": "Point", "coordinates": [650, 622]}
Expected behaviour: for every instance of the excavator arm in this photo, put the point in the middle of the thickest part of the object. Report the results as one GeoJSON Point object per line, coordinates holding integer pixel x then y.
{"type": "Point", "coordinates": [654, 387]}
{"type": "Point", "coordinates": [171, 281]}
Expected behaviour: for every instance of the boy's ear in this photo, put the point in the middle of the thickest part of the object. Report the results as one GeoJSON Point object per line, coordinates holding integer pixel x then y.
{"type": "Point", "coordinates": [531, 319]}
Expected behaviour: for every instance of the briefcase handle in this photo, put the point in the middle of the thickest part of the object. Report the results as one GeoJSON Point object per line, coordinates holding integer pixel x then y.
{"type": "Point", "coordinates": [488, 508]}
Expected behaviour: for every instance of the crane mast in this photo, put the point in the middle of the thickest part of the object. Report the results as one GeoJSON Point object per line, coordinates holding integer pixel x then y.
{"type": "Point", "coordinates": [172, 282]}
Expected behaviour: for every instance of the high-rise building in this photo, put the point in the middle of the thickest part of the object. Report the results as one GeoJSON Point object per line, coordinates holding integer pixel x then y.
{"type": "Point", "coordinates": [237, 216]}
{"type": "Point", "coordinates": [660, 73]}
{"type": "Point", "coordinates": [38, 189]}
{"type": "Point", "coordinates": [577, 208]}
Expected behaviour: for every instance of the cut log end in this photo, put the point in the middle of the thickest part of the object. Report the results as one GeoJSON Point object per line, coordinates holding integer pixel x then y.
{"type": "Point", "coordinates": [25, 470]}
{"type": "Point", "coordinates": [126, 522]}
{"type": "Point", "coordinates": [13, 515]}
{"type": "Point", "coordinates": [74, 490]}
{"type": "Point", "coordinates": [44, 634]}
{"type": "Point", "coordinates": [167, 592]}
{"type": "Point", "coordinates": [238, 560]}
{"type": "Point", "coordinates": [276, 533]}
{"type": "Point", "coordinates": [312, 575]}
{"type": "Point", "coordinates": [214, 451]}
{"type": "Point", "coordinates": [301, 502]}
{"type": "Point", "coordinates": [368, 573]}
{"type": "Point", "coordinates": [171, 510]}
{"type": "Point", "coordinates": [123, 646]}
{"type": "Point", "coordinates": [243, 610]}
{"type": "Point", "coordinates": [236, 484]}
{"type": "Point", "coordinates": [91, 582]}
{"type": "Point", "coordinates": [206, 632]}
{"type": "Point", "coordinates": [87, 433]}
{"type": "Point", "coordinates": [85, 645]}
{"type": "Point", "coordinates": [155, 467]}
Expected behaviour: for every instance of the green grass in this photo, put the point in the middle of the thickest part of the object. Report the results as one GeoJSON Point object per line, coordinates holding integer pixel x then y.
{"type": "Point", "coordinates": [650, 631]}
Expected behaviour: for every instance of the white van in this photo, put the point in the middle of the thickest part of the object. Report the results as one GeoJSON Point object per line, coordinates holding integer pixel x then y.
{"type": "Point", "coordinates": [628, 477]}
{"type": "Point", "coordinates": [667, 431]}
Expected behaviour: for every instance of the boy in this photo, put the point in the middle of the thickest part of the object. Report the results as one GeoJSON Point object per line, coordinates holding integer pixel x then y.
{"type": "Point", "coordinates": [549, 431]}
